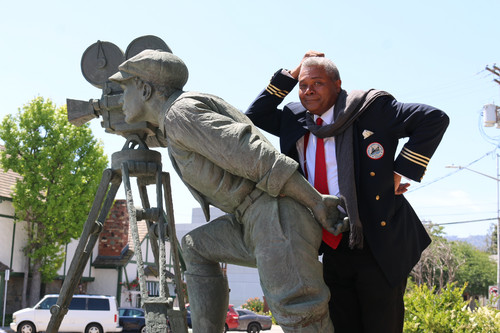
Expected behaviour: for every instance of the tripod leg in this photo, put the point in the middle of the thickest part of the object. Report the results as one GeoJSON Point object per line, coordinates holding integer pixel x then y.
{"type": "Point", "coordinates": [157, 308]}
{"type": "Point", "coordinates": [132, 213]}
{"type": "Point", "coordinates": [177, 317]}
{"type": "Point", "coordinates": [152, 236]}
{"type": "Point", "coordinates": [162, 240]}
{"type": "Point", "coordinates": [90, 234]}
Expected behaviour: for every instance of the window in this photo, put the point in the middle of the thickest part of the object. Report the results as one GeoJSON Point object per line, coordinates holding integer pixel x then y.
{"type": "Point", "coordinates": [153, 288]}
{"type": "Point", "coordinates": [47, 303]}
{"type": "Point", "coordinates": [99, 304]}
{"type": "Point", "coordinates": [136, 313]}
{"type": "Point", "coordinates": [77, 303]}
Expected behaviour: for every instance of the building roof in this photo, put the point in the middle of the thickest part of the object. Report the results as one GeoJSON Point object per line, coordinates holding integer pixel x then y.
{"type": "Point", "coordinates": [113, 262]}
{"type": "Point", "coordinates": [142, 228]}
{"type": "Point", "coordinates": [3, 267]}
{"type": "Point", "coordinates": [7, 181]}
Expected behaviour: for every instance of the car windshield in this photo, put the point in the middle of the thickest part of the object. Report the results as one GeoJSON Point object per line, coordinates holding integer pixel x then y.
{"type": "Point", "coordinates": [47, 303]}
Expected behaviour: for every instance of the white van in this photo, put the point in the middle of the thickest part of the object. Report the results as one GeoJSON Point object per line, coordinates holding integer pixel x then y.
{"type": "Point", "coordinates": [86, 314]}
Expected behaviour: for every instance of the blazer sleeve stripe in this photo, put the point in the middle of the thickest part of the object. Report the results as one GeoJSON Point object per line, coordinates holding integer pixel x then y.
{"type": "Point", "coordinates": [416, 155]}
{"type": "Point", "coordinates": [415, 158]}
{"type": "Point", "coordinates": [276, 92]}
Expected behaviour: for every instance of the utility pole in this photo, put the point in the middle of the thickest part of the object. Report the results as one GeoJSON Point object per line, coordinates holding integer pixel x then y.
{"type": "Point", "coordinates": [495, 70]}
{"type": "Point", "coordinates": [491, 117]}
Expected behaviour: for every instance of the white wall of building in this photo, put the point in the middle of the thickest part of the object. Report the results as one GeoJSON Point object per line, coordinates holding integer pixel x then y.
{"type": "Point", "coordinates": [105, 282]}
{"type": "Point", "coordinates": [70, 251]}
{"type": "Point", "coordinates": [7, 231]}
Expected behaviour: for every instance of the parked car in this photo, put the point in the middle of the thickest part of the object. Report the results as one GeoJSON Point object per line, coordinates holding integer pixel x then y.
{"type": "Point", "coordinates": [231, 318]}
{"type": "Point", "coordinates": [132, 319]}
{"type": "Point", "coordinates": [252, 322]}
{"type": "Point", "coordinates": [86, 313]}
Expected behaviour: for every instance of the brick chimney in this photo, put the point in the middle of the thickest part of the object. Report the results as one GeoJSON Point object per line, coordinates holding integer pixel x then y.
{"type": "Point", "coordinates": [114, 236]}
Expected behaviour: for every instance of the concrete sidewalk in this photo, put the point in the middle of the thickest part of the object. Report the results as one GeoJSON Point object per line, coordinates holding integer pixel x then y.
{"type": "Point", "coordinates": [274, 329]}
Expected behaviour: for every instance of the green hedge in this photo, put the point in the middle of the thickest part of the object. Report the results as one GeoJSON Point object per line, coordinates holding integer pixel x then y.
{"type": "Point", "coordinates": [446, 311]}
{"type": "Point", "coordinates": [429, 311]}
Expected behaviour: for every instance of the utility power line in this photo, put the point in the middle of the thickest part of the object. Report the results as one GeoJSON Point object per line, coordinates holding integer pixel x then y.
{"type": "Point", "coordinates": [463, 222]}
{"type": "Point", "coordinates": [452, 173]}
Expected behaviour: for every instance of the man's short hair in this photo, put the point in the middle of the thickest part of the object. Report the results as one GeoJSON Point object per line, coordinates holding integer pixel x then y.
{"type": "Point", "coordinates": [331, 70]}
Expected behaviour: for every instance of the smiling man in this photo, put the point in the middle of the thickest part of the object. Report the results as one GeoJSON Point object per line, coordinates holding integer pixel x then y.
{"type": "Point", "coordinates": [346, 146]}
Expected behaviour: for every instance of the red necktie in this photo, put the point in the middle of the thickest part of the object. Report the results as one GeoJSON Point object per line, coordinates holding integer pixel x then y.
{"type": "Point", "coordinates": [321, 184]}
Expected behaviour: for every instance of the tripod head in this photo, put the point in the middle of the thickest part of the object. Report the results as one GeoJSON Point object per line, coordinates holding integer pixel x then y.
{"type": "Point", "coordinates": [99, 62]}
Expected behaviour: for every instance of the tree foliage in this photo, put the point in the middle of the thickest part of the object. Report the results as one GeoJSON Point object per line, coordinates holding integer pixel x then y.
{"type": "Point", "coordinates": [438, 264]}
{"type": "Point", "coordinates": [478, 270]}
{"type": "Point", "coordinates": [60, 165]}
{"type": "Point", "coordinates": [445, 262]}
{"type": "Point", "coordinates": [491, 240]}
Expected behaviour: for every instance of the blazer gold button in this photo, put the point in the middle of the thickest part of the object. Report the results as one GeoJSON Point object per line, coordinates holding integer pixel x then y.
{"type": "Point", "coordinates": [383, 223]}
{"type": "Point", "coordinates": [377, 197]}
{"type": "Point", "coordinates": [372, 173]}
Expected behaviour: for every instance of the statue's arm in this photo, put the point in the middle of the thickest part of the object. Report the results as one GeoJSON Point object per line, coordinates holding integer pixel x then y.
{"type": "Point", "coordinates": [324, 207]}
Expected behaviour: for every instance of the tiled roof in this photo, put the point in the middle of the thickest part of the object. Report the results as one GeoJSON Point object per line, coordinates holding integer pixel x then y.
{"type": "Point", "coordinates": [142, 227]}
{"type": "Point", "coordinates": [7, 181]}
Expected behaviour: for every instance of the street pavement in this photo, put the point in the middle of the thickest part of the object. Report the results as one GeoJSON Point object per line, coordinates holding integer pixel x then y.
{"type": "Point", "coordinates": [274, 329]}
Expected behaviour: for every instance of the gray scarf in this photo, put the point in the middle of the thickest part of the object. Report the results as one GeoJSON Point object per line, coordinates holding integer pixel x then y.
{"type": "Point", "coordinates": [347, 109]}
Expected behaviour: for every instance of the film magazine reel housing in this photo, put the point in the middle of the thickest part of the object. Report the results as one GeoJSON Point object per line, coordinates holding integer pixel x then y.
{"type": "Point", "coordinates": [99, 62]}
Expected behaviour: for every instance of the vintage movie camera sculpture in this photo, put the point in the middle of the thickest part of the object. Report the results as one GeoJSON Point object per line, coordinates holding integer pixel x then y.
{"type": "Point", "coordinates": [98, 63]}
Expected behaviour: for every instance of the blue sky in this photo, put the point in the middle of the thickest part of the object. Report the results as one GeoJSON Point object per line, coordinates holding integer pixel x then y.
{"type": "Point", "coordinates": [433, 52]}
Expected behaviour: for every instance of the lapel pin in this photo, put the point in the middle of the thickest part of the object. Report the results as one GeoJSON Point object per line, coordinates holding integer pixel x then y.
{"type": "Point", "coordinates": [367, 133]}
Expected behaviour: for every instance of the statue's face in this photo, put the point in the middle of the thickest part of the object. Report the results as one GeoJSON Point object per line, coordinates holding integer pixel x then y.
{"type": "Point", "coordinates": [133, 103]}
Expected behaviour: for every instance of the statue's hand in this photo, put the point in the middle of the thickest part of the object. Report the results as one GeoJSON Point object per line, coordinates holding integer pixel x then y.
{"type": "Point", "coordinates": [329, 216]}
{"type": "Point", "coordinates": [341, 226]}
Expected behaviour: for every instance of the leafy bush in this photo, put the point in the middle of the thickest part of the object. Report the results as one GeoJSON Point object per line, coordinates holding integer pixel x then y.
{"type": "Point", "coordinates": [254, 304]}
{"type": "Point", "coordinates": [446, 311]}
{"type": "Point", "coordinates": [257, 306]}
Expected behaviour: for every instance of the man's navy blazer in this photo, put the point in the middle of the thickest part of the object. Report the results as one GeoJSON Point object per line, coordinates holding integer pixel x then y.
{"type": "Point", "coordinates": [391, 228]}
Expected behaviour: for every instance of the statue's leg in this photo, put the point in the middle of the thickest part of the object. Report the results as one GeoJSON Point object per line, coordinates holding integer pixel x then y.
{"type": "Point", "coordinates": [203, 291]}
{"type": "Point", "coordinates": [220, 240]}
{"type": "Point", "coordinates": [320, 326]}
{"type": "Point", "coordinates": [285, 239]}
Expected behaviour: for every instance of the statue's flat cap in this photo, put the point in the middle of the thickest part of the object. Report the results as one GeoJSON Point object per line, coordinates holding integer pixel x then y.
{"type": "Point", "coordinates": [155, 66]}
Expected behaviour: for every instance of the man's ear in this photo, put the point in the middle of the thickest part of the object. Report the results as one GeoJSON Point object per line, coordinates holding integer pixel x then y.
{"type": "Point", "coordinates": [338, 85]}
{"type": "Point", "coordinates": [146, 91]}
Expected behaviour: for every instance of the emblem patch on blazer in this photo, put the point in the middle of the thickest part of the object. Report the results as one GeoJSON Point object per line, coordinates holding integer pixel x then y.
{"type": "Point", "coordinates": [375, 151]}
{"type": "Point", "coordinates": [367, 134]}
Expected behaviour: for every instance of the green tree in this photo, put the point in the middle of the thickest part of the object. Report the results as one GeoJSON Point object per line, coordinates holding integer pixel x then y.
{"type": "Point", "coordinates": [478, 270]}
{"type": "Point", "coordinates": [491, 240]}
{"type": "Point", "coordinates": [438, 264]}
{"type": "Point", "coordinates": [60, 166]}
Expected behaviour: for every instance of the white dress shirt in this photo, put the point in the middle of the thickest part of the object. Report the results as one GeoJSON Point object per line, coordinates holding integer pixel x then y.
{"type": "Point", "coordinates": [310, 159]}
